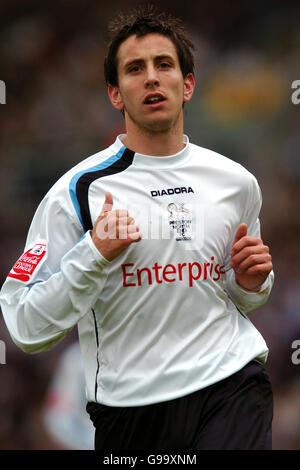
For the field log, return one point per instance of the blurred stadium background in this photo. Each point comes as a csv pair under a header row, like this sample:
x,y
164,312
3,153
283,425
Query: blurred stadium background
x,y
57,113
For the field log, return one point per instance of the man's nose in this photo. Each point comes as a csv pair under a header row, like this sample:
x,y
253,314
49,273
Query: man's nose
x,y
151,77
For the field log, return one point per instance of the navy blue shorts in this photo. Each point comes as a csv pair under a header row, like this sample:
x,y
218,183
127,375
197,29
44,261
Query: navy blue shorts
x,y
235,413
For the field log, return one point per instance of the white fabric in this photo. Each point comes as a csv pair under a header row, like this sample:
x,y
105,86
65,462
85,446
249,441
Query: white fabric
x,y
165,318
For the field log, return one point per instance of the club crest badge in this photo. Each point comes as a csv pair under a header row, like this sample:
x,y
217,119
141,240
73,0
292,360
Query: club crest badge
x,y
180,220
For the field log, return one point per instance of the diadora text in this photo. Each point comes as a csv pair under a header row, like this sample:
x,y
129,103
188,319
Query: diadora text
x,y
170,191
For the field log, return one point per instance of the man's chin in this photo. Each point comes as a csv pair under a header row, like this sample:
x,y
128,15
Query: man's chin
x,y
159,125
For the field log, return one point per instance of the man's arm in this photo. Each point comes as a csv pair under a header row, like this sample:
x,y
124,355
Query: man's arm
x,y
41,302
39,309
250,260
249,276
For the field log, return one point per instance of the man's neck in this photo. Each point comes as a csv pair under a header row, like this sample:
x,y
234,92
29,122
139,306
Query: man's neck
x,y
154,143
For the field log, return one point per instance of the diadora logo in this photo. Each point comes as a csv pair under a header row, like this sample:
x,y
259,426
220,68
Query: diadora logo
x,y
170,191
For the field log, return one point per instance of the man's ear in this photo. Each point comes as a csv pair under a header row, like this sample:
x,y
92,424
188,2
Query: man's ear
x,y
189,85
115,97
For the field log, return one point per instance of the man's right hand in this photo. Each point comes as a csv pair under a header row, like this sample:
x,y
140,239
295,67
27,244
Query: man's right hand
x,y
114,230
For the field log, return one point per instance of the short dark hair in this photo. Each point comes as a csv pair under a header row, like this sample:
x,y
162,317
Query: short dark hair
x,y
140,22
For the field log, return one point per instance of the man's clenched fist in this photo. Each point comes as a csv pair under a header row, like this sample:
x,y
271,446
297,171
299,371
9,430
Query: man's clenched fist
x,y
250,260
114,230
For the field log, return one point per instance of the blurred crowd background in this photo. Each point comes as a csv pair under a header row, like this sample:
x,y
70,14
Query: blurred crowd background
x,y
57,113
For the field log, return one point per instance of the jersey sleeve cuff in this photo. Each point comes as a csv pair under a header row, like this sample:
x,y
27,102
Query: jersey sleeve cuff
x,y
98,256
245,299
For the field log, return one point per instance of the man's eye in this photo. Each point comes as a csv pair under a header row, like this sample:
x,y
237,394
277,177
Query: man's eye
x,y
135,68
164,65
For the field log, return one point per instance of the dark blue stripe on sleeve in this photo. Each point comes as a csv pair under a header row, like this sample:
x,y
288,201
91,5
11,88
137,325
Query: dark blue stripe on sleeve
x,y
80,183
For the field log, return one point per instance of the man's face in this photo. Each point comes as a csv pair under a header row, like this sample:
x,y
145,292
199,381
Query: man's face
x,y
151,86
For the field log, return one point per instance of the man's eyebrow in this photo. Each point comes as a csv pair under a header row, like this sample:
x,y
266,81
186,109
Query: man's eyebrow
x,y
133,61
164,56
141,61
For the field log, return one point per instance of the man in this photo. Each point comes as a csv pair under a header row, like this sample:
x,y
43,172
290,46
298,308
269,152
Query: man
x,y
160,279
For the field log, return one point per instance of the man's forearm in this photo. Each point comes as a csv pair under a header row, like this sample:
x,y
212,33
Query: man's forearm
x,y
246,300
39,315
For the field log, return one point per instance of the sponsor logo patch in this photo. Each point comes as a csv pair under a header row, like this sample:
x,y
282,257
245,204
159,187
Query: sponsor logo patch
x,y
27,264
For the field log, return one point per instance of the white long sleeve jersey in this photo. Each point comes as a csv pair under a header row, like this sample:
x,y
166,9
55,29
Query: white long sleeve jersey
x,y
166,317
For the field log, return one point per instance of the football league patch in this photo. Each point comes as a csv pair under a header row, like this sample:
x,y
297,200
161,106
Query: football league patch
x,y
27,264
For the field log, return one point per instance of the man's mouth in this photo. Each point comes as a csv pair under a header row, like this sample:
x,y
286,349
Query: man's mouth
x,y
152,99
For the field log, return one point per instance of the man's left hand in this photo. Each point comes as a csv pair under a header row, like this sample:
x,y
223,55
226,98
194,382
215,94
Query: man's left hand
x,y
250,260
